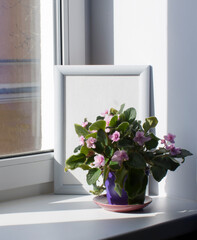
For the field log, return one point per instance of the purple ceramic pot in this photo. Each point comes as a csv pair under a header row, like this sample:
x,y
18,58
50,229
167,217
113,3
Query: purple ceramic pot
x,y
112,196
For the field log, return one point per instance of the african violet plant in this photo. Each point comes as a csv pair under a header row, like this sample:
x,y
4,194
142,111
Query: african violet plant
x,y
117,142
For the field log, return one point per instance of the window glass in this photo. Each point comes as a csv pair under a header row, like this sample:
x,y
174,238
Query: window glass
x,y
26,76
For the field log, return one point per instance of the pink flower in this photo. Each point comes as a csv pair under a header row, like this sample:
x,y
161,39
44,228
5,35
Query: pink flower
x,y
99,160
108,119
140,138
120,156
84,124
81,140
173,150
163,141
170,138
90,142
105,113
107,130
168,147
115,137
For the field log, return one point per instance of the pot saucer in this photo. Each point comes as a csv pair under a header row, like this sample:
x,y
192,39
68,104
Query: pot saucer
x,y
103,203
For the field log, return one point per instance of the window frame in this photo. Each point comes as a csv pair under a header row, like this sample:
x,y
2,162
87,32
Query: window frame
x,y
15,170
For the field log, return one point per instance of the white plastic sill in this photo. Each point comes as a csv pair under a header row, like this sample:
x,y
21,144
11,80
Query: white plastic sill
x,y
56,217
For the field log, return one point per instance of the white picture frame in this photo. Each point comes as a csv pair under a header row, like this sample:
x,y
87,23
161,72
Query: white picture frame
x,y
61,75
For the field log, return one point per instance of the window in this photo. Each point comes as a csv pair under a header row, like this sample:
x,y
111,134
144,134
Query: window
x,y
26,76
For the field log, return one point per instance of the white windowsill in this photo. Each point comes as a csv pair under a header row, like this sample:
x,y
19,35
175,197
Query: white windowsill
x,y
78,217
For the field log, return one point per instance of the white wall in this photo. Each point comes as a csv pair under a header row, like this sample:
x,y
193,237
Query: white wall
x,y
163,34
140,37
182,88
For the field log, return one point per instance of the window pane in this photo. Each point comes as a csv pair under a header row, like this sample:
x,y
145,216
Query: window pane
x,y
26,72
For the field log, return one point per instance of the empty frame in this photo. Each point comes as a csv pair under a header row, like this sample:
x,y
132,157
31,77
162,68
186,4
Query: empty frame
x,y
87,91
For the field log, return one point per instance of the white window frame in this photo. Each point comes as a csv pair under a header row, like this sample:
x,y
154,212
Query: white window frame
x,y
42,163
36,168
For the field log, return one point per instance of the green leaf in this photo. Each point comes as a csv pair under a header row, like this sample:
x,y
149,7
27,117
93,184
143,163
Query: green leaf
x,y
122,117
121,108
158,172
99,118
184,153
81,131
97,190
75,161
151,144
150,122
136,126
166,162
89,160
100,124
161,151
93,175
120,180
118,189
84,150
136,160
136,183
148,156
77,149
99,147
84,167
94,135
102,137
113,111
130,114
122,127
113,121
114,165
139,199
144,184
105,174
124,143
109,151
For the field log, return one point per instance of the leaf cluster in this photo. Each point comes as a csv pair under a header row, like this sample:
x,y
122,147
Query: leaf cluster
x,y
131,174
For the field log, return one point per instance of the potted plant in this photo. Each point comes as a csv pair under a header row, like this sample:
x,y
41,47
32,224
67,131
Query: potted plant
x,y
119,153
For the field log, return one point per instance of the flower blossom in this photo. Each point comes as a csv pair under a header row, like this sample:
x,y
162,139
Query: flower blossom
x,y
173,150
120,156
107,130
170,138
99,160
90,142
115,137
84,124
81,140
108,119
140,138
105,113
163,141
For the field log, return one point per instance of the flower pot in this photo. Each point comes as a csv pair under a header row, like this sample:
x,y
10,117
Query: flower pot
x,y
112,196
